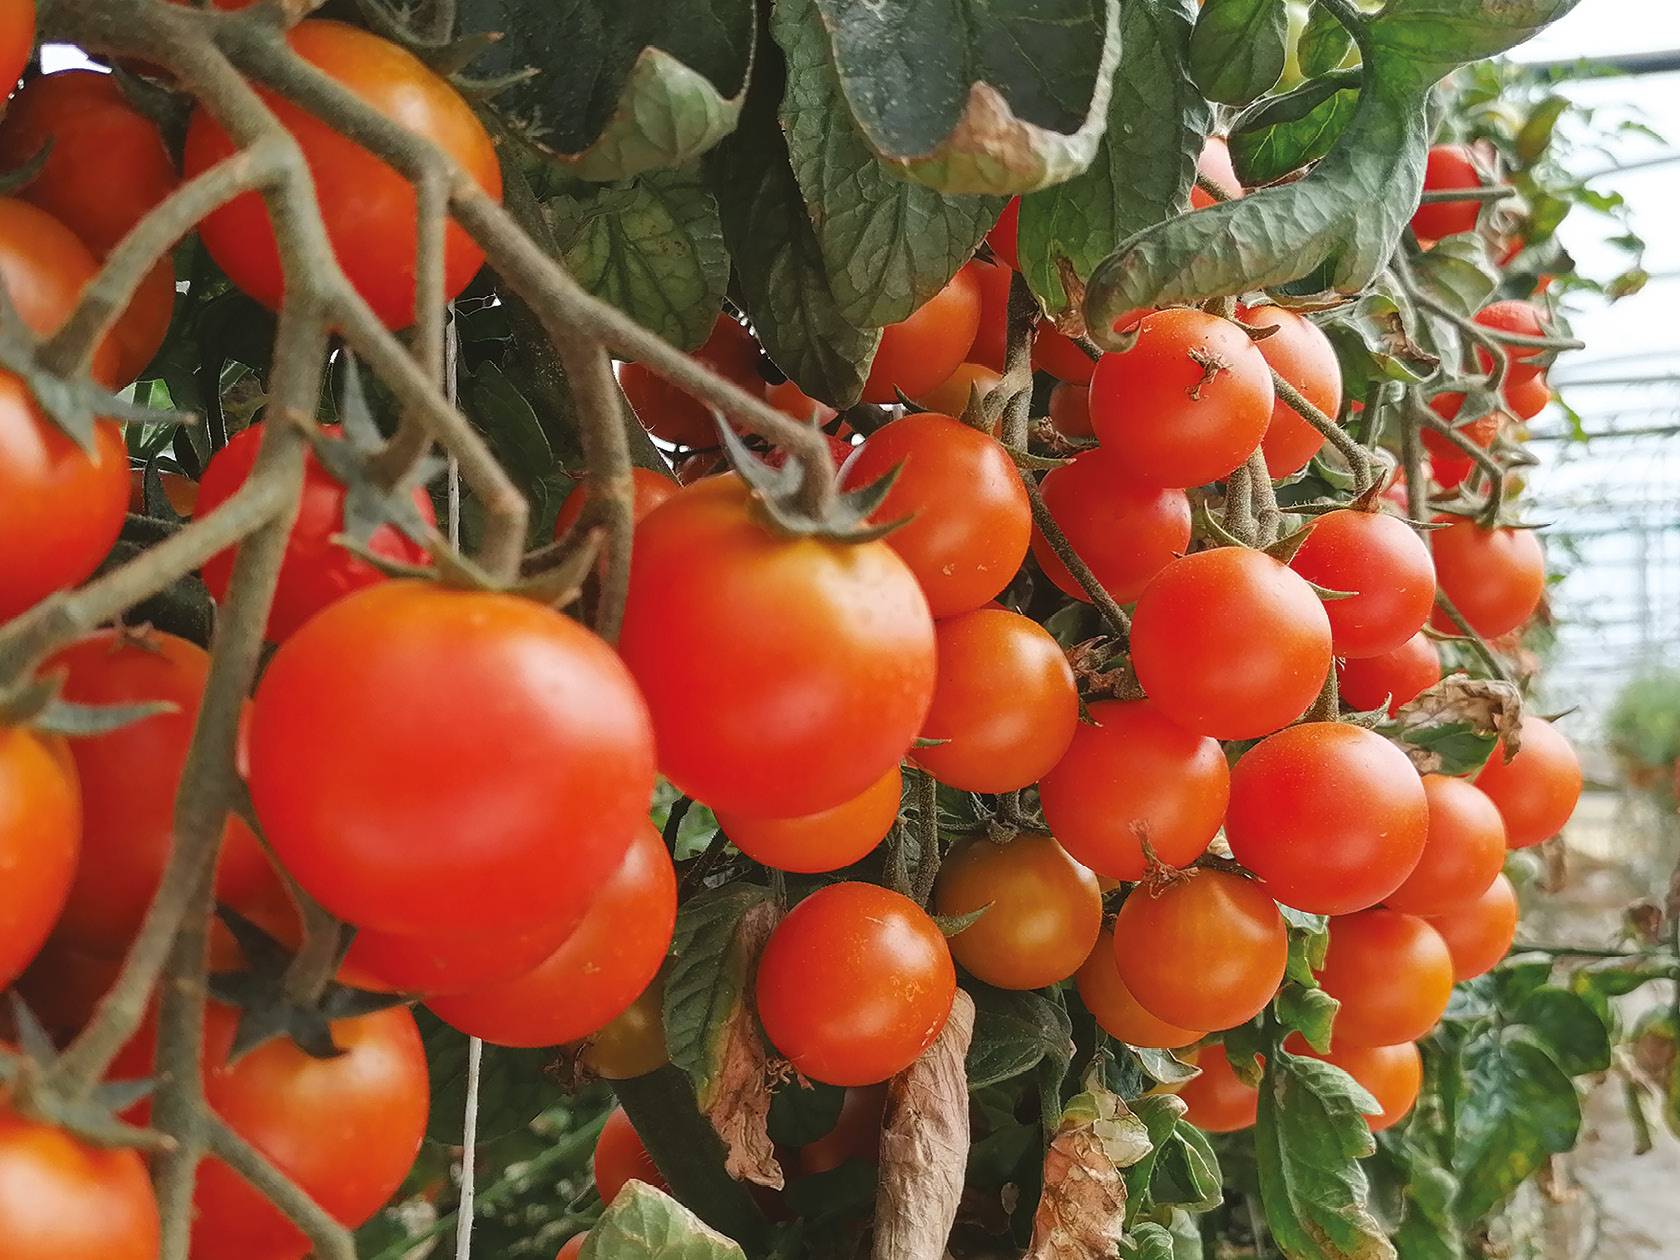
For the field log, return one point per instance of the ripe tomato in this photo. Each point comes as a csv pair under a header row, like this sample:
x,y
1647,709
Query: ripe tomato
x,y
64,1199
17,41
40,836
1042,910
650,489
1536,791
1331,816
454,962
1004,232
1230,643
950,397
849,664
316,571
129,778
1513,316
1386,566
1131,775
369,208
992,339
925,347
1464,852
968,516
572,1248
44,267
823,841
1448,464
1390,1074
1125,530
1527,398
1188,403
394,724
1494,577
1070,410
597,971
1395,678
1205,952
1004,700
854,984
1217,1101
789,398
677,416
620,1158
1450,166
1061,356
1214,165
633,1042
139,332
1117,1012
856,1133
1392,974
1477,936
1300,353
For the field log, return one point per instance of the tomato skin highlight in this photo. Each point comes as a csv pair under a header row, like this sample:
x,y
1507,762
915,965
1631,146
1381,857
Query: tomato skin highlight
x,y
1449,166
1300,353
1538,789
925,347
1392,974
823,841
64,1199
1386,568
621,1158
1494,577
1463,855
1111,1003
1479,935
1217,1101
1126,531
1396,677
40,842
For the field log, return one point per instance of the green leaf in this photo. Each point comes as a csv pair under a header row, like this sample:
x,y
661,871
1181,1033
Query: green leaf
x,y
1283,133
1187,1172
1460,746
1148,1241
1013,1033
802,1112
707,979
977,96
1517,1108
1238,48
1324,43
1427,1230
1535,137
1373,340
1165,1066
1567,1025
1143,168
1457,273
513,1086
648,1224
1310,1011
510,422
1160,1114
1309,939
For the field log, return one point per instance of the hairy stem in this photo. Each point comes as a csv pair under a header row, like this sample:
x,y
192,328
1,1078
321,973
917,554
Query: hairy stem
x,y
1112,613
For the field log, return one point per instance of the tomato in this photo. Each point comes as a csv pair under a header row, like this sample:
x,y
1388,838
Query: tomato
x,y
1004,701
633,1042
17,41
1536,790
1514,316
434,760
139,332
823,841
854,984
1126,531
621,1158
1131,775
846,663
991,341
64,1199
1392,974
789,398
1494,577
672,413
1386,567
44,267
1392,1075
1214,165
856,1133
1061,356
317,570
968,516
649,488
1205,952
1116,1011
1527,398
1042,910
1230,643
40,836
1331,816
1450,166
1395,678
1477,936
951,396
925,347
454,962
1070,410
572,1248
129,778
1185,405
369,209
1300,353
1463,854
1002,237
597,972
1216,1101
1447,462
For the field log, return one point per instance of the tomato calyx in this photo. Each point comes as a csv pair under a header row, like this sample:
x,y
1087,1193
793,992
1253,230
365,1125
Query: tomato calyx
x,y
1102,668
92,1114
782,502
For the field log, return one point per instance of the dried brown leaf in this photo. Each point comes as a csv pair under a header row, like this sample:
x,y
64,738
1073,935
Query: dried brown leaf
x,y
1489,706
738,1101
1082,1209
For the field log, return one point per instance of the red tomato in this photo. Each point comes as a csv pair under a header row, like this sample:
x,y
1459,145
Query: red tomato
x,y
650,489
968,516
1003,235
17,41
1450,166
434,760
40,836
572,1248
1132,775
1070,410
1331,816
1205,952
369,208
1448,464
1494,577
790,399
673,414
1387,569
1214,165
925,347
849,663
1188,403
1395,678
951,396
44,267
826,840
1300,353
1477,936
1514,316
1116,1011
1126,531
1061,356
1464,852
1392,974
1217,1101
454,962
316,571
64,1199
856,1133
1536,790
991,341
854,984
1527,398
598,970
1004,700
139,332
1392,1075
1230,643
1042,910
621,1158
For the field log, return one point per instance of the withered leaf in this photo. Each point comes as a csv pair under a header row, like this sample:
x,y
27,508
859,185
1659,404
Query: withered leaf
x,y
737,1097
1082,1209
1452,727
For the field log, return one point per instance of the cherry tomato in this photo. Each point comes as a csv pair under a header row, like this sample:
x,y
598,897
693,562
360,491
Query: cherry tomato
x,y
968,516
64,1199
1132,775
991,341
854,984
1061,356
1004,700
1216,1101
1116,1011
1300,353
633,1042
395,723
1126,531
44,267
1448,463
40,836
1395,678
1042,910
17,41
1463,854
1514,316
856,1133
823,841
1392,974
1230,643
650,489
1527,398
1477,936
1070,410
621,1158
454,962
672,413
596,973
789,398
951,396
1386,568
925,347
1449,167
1536,791
140,330
1392,1075
1004,232
572,1248
1214,165
1207,951
1494,577
1188,403
849,663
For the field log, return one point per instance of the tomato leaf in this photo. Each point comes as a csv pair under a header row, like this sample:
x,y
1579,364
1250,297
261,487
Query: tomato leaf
x,y
707,984
1427,1229
1310,1011
1148,1241
1567,1025
1457,273
1373,340
1187,1172
1082,1208
1324,43
1165,1066
1013,1033
1518,1107
1283,133
1160,1114
648,1224
1238,48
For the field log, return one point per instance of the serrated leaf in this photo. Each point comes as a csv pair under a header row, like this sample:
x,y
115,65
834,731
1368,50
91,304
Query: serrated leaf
x,y
648,1224
1013,1033
1518,1107
1310,1011
1373,340
1238,49
1324,43
706,984
1567,1025
1453,727
1284,133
